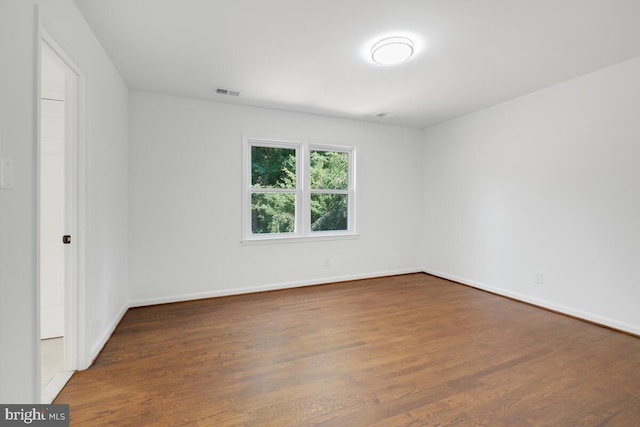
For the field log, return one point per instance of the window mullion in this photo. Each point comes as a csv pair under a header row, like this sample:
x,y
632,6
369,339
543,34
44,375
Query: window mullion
x,y
351,212
271,190
305,197
319,191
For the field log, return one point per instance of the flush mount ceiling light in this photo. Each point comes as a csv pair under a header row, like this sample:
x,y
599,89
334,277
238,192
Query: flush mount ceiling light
x,y
392,50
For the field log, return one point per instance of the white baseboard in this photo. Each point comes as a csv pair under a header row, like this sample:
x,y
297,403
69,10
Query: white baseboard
x,y
49,392
271,287
571,311
591,317
97,348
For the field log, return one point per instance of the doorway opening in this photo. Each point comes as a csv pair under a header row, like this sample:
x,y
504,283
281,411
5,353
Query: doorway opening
x,y
61,214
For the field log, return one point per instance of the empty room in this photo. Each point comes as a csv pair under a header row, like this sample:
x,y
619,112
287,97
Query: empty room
x,y
336,213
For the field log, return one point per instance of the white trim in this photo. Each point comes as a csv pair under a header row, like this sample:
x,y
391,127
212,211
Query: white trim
x,y
350,191
84,360
270,287
314,191
75,317
584,315
55,386
318,236
37,33
305,197
261,190
97,348
248,190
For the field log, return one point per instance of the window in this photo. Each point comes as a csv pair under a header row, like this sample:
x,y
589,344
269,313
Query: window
x,y
329,181
297,190
273,189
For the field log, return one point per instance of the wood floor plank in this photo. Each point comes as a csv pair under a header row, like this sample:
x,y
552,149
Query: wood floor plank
x,y
410,350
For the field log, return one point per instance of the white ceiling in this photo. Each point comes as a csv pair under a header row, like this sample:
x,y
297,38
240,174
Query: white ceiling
x,y
309,55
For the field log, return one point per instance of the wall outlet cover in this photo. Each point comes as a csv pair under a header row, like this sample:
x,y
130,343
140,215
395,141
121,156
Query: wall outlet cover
x,y
6,173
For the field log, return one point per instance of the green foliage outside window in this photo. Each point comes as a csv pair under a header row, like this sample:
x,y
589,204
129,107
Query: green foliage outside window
x,y
273,212
275,168
328,212
329,171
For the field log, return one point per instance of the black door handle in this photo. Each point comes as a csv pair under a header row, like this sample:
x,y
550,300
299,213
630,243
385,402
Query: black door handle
x,y
66,239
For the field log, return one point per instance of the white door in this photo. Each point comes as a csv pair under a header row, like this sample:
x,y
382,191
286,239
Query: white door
x,y
53,200
61,205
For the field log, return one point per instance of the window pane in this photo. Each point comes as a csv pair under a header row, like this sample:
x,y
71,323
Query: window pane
x,y
273,213
328,212
329,170
273,167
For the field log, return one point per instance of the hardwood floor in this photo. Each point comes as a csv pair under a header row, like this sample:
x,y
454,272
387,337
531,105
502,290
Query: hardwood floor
x,y
410,350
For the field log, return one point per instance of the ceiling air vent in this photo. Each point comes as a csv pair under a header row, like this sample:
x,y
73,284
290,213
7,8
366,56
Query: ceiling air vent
x,y
221,91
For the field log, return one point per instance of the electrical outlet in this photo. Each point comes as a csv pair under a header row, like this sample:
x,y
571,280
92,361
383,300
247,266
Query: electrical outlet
x,y
539,280
6,173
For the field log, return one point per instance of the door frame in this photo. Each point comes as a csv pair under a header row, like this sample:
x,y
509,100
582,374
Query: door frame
x,y
75,346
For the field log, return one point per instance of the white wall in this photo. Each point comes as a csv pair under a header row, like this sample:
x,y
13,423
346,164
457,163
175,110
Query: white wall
x,y
19,380
107,267
107,168
544,183
185,201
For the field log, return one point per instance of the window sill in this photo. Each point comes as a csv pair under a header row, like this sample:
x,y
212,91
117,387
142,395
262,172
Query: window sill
x,y
298,239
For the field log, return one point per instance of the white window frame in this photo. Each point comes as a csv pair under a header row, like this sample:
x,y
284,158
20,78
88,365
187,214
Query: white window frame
x,y
303,192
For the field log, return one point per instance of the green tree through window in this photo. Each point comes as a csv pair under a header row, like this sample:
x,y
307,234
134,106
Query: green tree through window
x,y
273,168
298,189
329,172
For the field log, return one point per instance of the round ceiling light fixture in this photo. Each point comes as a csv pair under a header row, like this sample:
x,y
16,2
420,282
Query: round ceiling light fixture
x,y
392,50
